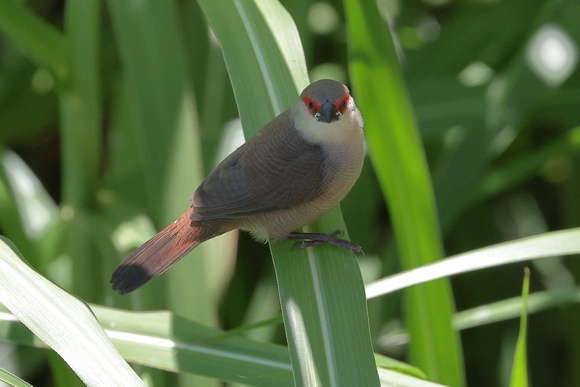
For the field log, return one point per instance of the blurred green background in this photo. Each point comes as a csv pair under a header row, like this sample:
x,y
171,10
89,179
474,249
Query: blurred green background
x,y
495,89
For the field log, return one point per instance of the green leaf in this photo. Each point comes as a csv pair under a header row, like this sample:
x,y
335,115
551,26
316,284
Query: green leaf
x,y
512,307
565,242
263,55
398,366
36,38
163,340
161,104
320,289
12,380
401,167
35,207
159,157
62,321
166,155
394,379
520,365
80,105
166,341
11,220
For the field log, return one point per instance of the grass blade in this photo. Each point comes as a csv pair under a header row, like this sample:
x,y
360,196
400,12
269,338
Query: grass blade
x,y
320,289
161,104
10,217
12,380
163,340
400,164
36,208
512,308
33,36
520,366
394,379
565,242
167,341
80,105
62,321
163,117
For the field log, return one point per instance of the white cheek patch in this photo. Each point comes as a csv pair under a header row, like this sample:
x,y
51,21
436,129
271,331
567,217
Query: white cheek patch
x,y
321,132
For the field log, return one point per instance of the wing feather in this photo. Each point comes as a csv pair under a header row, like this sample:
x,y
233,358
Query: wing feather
x,y
276,169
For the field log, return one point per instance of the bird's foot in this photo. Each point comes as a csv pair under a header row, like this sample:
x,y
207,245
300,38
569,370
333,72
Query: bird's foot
x,y
316,239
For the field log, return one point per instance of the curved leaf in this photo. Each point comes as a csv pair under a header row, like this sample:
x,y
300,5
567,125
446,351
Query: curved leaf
x,y
62,321
565,242
320,289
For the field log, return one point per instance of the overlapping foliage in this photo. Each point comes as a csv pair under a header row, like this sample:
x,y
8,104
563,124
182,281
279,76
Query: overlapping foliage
x,y
112,111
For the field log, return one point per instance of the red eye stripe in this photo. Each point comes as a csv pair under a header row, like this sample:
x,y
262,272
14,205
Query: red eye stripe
x,y
342,104
312,106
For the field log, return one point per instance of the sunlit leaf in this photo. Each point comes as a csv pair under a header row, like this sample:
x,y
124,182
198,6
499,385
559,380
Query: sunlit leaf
x,y
62,321
12,380
564,242
320,289
520,364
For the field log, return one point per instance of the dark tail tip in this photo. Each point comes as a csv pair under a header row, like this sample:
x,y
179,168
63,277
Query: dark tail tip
x,y
159,253
129,277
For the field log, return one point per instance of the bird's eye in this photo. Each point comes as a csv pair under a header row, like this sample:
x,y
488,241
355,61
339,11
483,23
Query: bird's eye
x,y
312,106
341,105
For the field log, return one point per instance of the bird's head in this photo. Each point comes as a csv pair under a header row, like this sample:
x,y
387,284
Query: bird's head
x,y
326,112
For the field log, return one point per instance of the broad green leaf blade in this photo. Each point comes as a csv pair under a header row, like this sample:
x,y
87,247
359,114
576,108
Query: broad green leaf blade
x,y
166,341
163,340
325,316
565,242
520,365
401,168
324,310
12,380
62,321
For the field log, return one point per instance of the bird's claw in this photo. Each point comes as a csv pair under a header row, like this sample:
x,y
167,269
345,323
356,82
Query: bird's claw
x,y
313,240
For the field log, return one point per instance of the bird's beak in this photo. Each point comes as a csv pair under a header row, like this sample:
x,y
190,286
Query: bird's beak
x,y
327,112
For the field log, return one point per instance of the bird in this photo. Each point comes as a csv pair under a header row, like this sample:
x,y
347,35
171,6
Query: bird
x,y
292,171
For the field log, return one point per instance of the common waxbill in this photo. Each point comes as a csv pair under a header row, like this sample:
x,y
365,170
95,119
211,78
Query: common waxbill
x,y
295,169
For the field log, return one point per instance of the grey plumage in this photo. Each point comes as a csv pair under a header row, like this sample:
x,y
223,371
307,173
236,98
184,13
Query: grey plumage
x,y
268,173
296,168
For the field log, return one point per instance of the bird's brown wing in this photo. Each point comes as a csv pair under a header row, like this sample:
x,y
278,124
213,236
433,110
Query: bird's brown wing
x,y
276,169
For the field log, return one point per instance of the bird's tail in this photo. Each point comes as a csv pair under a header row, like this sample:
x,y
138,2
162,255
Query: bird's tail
x,y
159,253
